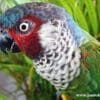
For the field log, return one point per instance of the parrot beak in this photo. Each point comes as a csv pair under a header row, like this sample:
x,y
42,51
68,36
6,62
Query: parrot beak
x,y
7,44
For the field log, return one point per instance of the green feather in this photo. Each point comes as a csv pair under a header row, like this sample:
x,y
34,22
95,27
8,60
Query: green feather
x,y
89,80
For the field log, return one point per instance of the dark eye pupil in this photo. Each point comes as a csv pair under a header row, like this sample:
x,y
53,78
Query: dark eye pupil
x,y
24,27
1,31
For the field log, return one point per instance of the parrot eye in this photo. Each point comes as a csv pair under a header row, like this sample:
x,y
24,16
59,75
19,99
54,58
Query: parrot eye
x,y
25,27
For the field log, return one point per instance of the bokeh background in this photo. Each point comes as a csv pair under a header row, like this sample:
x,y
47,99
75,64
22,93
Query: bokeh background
x,y
18,79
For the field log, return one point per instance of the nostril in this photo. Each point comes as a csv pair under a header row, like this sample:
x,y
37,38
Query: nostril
x,y
1,31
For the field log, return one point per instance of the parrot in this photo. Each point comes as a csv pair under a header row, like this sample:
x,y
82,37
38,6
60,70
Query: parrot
x,y
63,53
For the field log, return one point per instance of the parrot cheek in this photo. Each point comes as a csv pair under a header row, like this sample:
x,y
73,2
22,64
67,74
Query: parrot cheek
x,y
28,44
29,48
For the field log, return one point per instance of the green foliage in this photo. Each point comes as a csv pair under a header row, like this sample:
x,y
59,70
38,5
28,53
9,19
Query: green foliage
x,y
85,12
2,97
22,70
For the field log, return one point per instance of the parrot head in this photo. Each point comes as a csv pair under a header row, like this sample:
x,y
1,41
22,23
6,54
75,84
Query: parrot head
x,y
19,27
22,27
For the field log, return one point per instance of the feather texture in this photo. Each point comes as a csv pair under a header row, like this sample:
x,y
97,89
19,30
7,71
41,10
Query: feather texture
x,y
60,60
88,83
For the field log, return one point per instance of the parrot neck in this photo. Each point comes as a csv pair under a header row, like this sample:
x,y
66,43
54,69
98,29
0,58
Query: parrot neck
x,y
79,35
59,63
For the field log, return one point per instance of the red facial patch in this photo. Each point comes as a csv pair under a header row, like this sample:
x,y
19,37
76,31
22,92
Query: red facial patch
x,y
28,43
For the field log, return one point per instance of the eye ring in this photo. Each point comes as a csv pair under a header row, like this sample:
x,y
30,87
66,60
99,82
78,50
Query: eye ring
x,y
24,27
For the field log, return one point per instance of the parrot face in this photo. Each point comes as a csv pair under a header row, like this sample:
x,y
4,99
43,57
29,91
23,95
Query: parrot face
x,y
47,34
25,34
23,24
19,35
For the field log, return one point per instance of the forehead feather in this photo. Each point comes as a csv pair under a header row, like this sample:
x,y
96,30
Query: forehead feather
x,y
44,11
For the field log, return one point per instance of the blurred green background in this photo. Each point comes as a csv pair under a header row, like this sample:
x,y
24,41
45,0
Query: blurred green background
x,y
85,12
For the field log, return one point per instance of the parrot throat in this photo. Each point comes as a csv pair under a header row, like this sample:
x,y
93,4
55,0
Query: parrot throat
x,y
60,61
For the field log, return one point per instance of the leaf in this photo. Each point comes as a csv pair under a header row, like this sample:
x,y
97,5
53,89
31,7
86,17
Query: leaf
x,y
79,17
23,1
30,77
66,6
92,15
3,97
71,3
27,60
77,13
3,6
10,3
98,13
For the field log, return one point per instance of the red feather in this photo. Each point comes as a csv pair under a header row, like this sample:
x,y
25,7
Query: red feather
x,y
28,43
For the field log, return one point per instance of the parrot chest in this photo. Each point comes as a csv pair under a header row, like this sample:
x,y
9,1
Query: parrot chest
x,y
59,62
